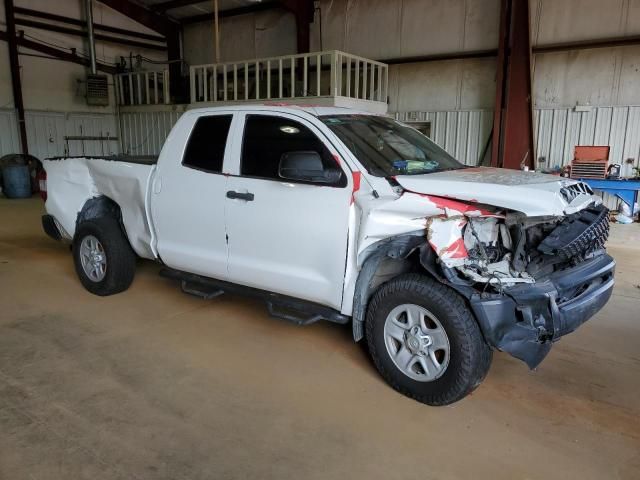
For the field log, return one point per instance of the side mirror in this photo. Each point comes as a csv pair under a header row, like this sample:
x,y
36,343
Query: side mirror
x,y
306,167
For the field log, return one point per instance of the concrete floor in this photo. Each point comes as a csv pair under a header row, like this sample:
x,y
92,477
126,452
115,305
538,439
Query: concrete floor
x,y
153,383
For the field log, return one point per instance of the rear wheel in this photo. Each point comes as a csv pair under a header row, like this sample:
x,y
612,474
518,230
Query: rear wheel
x,y
104,260
424,340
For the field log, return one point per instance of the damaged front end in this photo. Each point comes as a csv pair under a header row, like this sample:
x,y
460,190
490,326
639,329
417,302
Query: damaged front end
x,y
529,280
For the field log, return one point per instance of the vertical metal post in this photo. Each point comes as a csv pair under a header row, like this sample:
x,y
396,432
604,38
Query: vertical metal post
x,y
88,6
14,65
357,79
235,81
224,81
214,95
364,79
318,68
513,116
146,87
246,81
257,80
293,77
332,74
130,89
348,76
216,29
280,78
155,87
192,78
268,79
205,86
305,67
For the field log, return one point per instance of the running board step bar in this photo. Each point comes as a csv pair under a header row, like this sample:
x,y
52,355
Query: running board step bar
x,y
199,290
300,312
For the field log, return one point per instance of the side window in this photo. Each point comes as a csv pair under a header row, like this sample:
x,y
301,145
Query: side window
x,y
207,142
267,138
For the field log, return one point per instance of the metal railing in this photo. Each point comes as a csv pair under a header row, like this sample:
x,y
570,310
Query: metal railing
x,y
143,88
320,74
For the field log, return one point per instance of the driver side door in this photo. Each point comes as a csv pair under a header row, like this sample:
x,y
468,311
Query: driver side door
x,y
286,236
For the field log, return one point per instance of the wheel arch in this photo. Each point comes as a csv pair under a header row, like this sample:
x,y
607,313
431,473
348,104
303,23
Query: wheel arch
x,y
384,261
101,207
98,207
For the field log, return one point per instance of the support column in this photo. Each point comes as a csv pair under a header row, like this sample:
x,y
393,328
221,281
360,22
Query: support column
x,y
513,117
14,65
303,11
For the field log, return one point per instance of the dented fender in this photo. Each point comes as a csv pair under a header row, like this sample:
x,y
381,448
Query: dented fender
x,y
73,182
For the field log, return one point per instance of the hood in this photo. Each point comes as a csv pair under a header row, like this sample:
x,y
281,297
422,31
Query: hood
x,y
534,194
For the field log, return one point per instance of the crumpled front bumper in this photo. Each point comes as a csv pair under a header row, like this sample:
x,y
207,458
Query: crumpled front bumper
x,y
526,319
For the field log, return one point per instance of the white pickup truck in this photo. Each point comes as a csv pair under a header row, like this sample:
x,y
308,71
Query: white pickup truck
x,y
328,213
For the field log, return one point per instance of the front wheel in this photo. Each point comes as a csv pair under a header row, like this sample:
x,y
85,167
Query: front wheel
x,y
424,340
104,260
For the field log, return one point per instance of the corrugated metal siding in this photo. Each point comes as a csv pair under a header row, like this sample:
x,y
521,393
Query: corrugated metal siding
x,y
463,133
46,132
143,133
558,131
9,139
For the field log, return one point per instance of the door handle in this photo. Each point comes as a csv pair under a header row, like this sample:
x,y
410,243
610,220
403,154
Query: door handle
x,y
240,196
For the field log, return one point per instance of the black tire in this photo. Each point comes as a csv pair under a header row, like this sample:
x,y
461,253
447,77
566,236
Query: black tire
x,y
121,259
469,357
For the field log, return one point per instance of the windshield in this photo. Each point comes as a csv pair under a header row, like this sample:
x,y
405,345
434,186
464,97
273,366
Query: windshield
x,y
386,147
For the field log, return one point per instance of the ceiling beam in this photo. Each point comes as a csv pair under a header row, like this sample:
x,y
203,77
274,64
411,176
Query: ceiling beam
x,y
587,44
171,4
158,23
56,53
50,27
164,26
232,12
82,23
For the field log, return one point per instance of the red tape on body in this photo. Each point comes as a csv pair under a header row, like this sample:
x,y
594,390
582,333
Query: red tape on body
x,y
357,176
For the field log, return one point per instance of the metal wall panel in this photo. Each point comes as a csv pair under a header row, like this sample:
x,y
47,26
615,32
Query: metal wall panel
x,y
9,138
46,132
462,133
558,131
143,133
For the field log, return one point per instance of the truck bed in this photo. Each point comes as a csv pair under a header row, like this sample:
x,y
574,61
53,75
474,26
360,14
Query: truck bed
x,y
73,181
136,159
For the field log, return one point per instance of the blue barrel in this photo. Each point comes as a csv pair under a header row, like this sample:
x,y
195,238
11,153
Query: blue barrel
x,y
16,181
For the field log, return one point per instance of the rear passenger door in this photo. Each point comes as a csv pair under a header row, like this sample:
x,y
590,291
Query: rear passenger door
x,y
286,236
188,197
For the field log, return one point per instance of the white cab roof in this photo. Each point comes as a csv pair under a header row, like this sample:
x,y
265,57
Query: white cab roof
x,y
314,110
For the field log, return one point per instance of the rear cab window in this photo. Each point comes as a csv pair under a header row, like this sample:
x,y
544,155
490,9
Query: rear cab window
x,y
207,143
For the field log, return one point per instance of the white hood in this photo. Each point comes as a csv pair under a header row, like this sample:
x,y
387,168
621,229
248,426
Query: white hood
x,y
534,194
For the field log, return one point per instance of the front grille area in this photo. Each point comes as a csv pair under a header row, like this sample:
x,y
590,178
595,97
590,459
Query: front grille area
x,y
570,192
579,234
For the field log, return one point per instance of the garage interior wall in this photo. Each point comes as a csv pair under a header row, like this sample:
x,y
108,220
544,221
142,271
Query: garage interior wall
x,y
54,90
453,98
456,97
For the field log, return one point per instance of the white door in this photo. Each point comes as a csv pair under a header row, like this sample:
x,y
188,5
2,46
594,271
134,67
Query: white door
x,y
286,236
188,198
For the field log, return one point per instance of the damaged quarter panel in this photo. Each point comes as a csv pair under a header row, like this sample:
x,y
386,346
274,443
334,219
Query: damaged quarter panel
x,y
74,181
